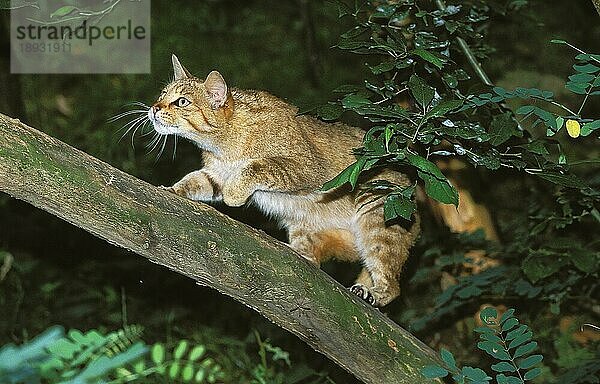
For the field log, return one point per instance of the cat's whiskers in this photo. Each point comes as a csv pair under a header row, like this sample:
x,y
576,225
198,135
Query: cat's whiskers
x,y
133,126
140,120
143,125
175,148
150,146
127,113
162,148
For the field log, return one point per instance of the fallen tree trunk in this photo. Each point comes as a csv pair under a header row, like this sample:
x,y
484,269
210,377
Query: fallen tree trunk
x,y
199,242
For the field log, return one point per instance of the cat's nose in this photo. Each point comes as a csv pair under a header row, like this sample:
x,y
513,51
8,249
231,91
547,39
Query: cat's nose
x,y
155,108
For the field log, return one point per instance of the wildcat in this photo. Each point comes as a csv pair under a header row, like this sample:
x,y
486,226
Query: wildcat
x,y
256,149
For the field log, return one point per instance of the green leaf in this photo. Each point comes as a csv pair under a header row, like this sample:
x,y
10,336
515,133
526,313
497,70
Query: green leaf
x,y
139,367
383,67
352,101
516,332
502,379
448,358
535,372
582,78
577,88
347,88
507,315
588,128
560,121
188,372
525,349
540,264
586,68
422,92
585,260
434,371
174,370
509,324
566,180
397,205
525,110
63,11
180,349
484,330
493,349
158,353
476,375
442,108
341,179
64,349
530,361
200,375
450,80
488,315
360,165
525,337
502,128
104,364
503,367
430,57
436,185
490,337
440,190
197,352
329,111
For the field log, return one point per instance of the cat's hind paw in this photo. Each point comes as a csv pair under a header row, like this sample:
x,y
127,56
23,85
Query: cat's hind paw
x,y
363,292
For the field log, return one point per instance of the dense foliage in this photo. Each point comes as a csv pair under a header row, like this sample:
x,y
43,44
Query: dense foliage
x,y
428,54
423,102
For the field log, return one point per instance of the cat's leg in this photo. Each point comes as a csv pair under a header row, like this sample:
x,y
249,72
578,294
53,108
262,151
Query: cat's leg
x,y
384,250
279,174
320,246
197,186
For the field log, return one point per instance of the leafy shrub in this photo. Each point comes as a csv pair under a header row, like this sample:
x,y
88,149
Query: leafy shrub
x,y
505,340
117,357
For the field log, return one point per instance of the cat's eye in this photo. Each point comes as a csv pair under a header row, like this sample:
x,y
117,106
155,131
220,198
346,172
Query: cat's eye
x,y
182,102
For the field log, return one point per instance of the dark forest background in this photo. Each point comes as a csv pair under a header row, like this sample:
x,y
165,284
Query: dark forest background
x,y
62,275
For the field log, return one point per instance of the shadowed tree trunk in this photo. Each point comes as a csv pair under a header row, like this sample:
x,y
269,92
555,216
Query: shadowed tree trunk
x,y
199,242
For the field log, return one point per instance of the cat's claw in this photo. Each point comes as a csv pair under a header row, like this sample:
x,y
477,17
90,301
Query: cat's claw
x,y
168,189
363,292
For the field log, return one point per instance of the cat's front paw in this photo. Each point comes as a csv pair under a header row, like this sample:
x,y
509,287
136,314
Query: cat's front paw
x,y
363,292
234,197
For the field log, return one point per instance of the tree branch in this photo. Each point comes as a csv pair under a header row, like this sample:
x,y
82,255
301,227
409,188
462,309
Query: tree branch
x,y
199,242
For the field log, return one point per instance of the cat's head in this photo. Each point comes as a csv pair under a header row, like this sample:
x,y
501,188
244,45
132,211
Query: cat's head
x,y
190,107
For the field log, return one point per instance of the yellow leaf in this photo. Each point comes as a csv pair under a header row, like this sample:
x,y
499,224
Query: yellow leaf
x,y
573,128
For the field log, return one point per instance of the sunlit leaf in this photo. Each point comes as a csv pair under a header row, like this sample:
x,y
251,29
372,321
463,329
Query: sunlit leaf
x,y
573,128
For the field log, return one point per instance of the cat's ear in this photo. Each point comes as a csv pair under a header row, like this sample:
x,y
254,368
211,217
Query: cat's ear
x,y
216,89
178,69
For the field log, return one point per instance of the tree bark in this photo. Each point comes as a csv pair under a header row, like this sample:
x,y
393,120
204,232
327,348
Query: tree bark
x,y
199,242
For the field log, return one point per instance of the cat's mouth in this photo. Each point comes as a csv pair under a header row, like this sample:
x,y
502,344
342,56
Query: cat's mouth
x,y
159,126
